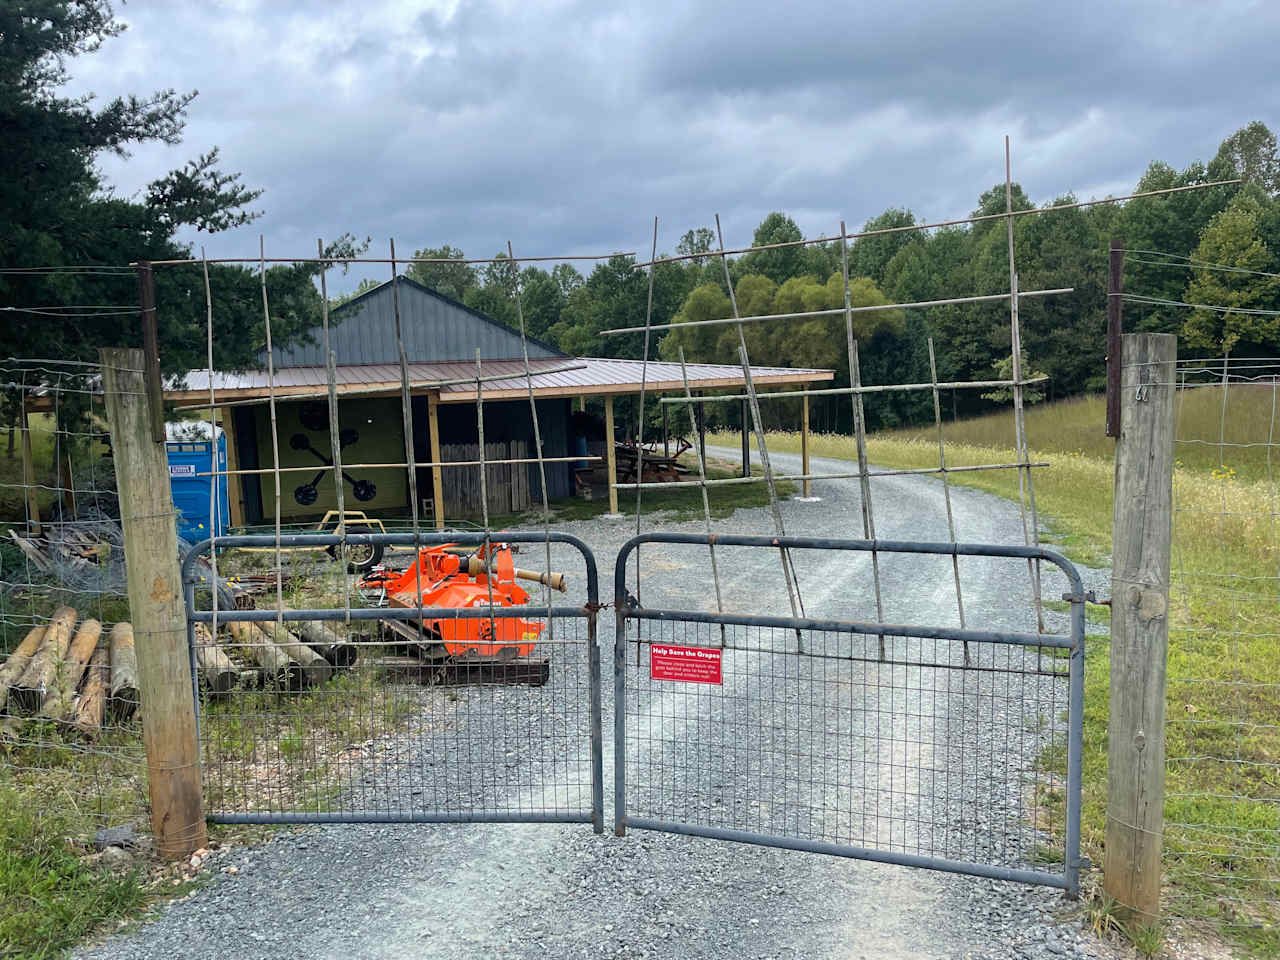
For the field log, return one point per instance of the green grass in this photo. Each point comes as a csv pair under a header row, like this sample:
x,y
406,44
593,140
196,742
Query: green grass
x,y
52,894
1222,809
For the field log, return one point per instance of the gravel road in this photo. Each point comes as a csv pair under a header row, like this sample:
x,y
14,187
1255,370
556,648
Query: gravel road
x,y
536,891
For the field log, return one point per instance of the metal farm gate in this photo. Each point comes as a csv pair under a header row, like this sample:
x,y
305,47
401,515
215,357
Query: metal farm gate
x,y
356,726
922,745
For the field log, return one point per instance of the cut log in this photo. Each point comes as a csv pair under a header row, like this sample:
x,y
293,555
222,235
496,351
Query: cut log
x,y
60,701
324,640
278,667
16,665
217,671
124,696
315,668
93,700
30,690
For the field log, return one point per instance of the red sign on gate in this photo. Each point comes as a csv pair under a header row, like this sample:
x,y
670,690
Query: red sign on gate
x,y
688,664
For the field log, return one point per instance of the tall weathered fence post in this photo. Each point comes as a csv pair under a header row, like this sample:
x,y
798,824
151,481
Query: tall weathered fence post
x,y
1142,534
155,607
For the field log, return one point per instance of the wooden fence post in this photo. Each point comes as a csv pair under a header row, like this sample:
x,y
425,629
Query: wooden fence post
x,y
804,444
156,608
1142,534
610,456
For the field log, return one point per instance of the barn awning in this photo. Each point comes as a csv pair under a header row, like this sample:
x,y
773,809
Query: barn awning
x,y
552,377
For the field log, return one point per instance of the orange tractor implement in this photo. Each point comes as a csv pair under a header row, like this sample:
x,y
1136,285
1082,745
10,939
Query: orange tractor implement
x,y
453,577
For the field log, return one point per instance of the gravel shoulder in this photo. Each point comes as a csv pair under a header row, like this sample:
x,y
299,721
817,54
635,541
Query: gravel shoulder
x,y
535,891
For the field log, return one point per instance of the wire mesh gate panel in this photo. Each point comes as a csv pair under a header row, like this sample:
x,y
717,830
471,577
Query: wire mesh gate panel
x,y
957,749
350,714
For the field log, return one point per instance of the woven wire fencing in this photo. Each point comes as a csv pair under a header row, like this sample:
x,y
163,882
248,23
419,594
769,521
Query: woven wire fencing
x,y
1222,808
71,748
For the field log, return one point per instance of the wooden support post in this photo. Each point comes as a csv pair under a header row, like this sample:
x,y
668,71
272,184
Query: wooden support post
x,y
1142,533
29,475
804,444
610,455
156,608
582,403
437,472
746,441
666,437
235,489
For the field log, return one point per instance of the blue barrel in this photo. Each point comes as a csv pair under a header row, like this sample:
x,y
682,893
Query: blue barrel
x,y
188,458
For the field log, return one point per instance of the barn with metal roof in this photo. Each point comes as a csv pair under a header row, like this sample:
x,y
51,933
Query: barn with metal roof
x,y
441,338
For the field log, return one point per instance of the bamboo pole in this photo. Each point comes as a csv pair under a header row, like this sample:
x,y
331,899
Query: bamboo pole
x,y
804,448
836,311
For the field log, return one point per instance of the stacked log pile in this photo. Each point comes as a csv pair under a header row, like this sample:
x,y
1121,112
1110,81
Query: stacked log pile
x,y
84,677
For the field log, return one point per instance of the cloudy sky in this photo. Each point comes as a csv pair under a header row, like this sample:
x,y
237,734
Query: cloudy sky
x,y
566,126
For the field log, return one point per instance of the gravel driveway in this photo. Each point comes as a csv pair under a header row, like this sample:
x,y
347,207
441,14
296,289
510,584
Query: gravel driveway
x,y
542,891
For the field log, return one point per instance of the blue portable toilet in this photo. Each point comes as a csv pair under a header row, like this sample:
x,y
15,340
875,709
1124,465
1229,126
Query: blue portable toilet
x,y
190,452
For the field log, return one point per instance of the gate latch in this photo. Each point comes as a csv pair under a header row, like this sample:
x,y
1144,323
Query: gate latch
x,y
1087,597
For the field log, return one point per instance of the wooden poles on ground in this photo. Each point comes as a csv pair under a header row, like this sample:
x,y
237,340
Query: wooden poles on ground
x,y
16,665
124,672
216,669
59,701
1139,623
93,699
29,692
156,605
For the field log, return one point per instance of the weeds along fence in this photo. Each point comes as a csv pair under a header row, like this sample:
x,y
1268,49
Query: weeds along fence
x,y
1222,809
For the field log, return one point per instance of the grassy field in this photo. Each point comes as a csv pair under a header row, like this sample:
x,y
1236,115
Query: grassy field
x,y
1222,809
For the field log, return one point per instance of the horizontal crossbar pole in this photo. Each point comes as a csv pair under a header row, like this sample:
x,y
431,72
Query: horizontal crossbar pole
x,y
877,661
1009,637
478,612
844,391
932,226
390,466
918,471
405,816
835,312
331,261
420,538
856,853
371,391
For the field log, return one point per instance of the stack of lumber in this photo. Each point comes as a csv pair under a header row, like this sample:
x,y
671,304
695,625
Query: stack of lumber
x,y
72,675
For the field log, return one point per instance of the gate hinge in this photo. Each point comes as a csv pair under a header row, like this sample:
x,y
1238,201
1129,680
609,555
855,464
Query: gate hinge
x,y
1087,597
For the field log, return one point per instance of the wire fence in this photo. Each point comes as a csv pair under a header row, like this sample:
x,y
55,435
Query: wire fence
x,y
1222,810
71,748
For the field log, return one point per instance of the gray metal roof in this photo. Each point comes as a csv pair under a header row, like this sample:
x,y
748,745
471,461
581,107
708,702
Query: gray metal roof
x,y
594,375
433,326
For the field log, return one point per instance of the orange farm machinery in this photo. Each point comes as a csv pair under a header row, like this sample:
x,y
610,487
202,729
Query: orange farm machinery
x,y
451,577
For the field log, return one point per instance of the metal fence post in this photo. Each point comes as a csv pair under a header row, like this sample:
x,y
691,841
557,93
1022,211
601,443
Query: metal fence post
x,y
156,608
1142,535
